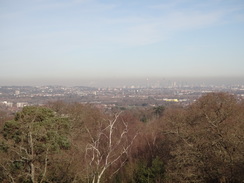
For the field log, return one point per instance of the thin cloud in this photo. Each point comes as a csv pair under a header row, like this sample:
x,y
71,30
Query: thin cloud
x,y
147,30
165,6
152,30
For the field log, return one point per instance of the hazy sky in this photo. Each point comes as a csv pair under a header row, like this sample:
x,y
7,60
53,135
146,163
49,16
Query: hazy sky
x,y
48,40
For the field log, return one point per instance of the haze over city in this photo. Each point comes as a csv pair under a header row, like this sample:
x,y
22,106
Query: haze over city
x,y
87,42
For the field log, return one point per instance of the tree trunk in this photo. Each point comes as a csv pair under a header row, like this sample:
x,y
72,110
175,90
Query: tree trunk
x,y
32,158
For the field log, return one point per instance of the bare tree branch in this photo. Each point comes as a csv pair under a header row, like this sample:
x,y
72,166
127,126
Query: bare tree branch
x,y
106,152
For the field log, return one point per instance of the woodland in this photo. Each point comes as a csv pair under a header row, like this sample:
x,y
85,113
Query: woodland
x,y
65,142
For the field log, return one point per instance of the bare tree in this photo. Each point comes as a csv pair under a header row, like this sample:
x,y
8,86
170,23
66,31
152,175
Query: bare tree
x,y
207,140
108,148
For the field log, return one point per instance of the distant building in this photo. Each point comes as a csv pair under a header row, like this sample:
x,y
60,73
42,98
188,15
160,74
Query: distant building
x,y
17,92
21,104
8,104
170,100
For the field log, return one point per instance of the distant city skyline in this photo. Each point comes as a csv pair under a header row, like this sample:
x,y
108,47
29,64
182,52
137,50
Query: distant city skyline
x,y
69,42
130,82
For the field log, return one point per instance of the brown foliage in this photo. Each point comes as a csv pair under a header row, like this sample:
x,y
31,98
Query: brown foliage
x,y
203,142
207,140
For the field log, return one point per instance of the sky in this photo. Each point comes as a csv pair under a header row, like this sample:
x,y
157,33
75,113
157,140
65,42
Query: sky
x,y
69,41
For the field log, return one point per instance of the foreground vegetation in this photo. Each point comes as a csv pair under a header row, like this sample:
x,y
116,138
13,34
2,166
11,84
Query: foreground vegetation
x,y
71,142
